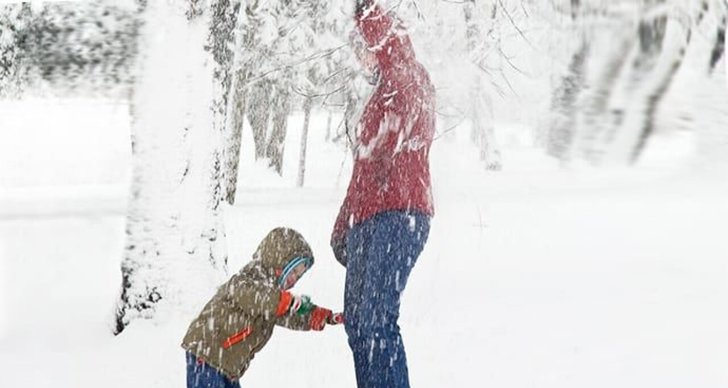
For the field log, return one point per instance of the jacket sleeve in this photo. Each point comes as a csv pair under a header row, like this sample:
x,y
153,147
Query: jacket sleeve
x,y
252,297
295,322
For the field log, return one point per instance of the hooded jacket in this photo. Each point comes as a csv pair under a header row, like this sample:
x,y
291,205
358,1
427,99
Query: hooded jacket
x,y
394,134
239,319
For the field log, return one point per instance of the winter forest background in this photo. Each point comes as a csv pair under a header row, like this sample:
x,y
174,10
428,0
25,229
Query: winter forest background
x,y
579,171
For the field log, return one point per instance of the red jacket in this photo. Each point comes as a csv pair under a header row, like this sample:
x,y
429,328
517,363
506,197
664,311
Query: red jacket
x,y
394,134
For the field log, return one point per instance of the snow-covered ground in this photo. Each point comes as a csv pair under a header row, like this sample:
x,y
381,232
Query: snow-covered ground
x,y
532,277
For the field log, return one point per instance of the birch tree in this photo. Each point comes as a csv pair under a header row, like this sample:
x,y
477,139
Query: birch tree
x,y
175,241
252,92
707,93
608,104
461,45
655,60
247,50
15,21
480,24
278,43
67,49
561,127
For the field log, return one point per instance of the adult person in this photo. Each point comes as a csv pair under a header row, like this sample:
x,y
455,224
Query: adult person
x,y
384,221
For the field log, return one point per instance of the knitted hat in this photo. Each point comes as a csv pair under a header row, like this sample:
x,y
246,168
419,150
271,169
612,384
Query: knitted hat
x,y
280,247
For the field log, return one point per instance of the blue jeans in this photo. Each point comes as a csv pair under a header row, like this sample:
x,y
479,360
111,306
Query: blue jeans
x,y
201,375
381,252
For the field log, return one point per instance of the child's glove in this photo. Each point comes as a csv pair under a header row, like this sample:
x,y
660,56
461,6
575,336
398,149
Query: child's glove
x,y
301,305
319,317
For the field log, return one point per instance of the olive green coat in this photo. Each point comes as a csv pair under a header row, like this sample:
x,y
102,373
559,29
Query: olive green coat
x,y
239,320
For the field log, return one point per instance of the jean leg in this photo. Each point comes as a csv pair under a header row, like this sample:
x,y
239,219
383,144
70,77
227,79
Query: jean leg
x,y
201,375
357,242
395,242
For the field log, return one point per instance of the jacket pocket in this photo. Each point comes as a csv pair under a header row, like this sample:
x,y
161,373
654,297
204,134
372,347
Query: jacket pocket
x,y
237,337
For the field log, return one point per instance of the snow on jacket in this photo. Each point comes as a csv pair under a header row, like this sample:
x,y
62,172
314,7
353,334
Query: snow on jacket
x,y
394,134
239,320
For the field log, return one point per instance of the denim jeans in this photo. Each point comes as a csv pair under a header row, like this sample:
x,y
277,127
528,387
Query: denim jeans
x,y
201,375
381,252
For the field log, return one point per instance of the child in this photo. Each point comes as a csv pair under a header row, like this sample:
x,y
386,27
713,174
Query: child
x,y
239,320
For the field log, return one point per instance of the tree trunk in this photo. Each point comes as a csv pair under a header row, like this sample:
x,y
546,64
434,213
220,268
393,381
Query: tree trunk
x,y
576,99
483,128
224,21
175,252
720,38
258,107
304,141
329,121
711,119
354,105
673,58
724,10
276,142
562,123
708,92
657,58
67,48
625,79
480,111
238,104
596,117
15,24
233,144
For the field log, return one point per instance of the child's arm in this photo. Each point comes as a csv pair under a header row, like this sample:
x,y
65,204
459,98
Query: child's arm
x,y
294,322
288,310
301,314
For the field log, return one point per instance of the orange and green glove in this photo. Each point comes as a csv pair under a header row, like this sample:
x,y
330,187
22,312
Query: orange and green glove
x,y
294,304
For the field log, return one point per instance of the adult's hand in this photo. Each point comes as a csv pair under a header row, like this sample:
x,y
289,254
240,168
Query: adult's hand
x,y
339,247
361,5
335,319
